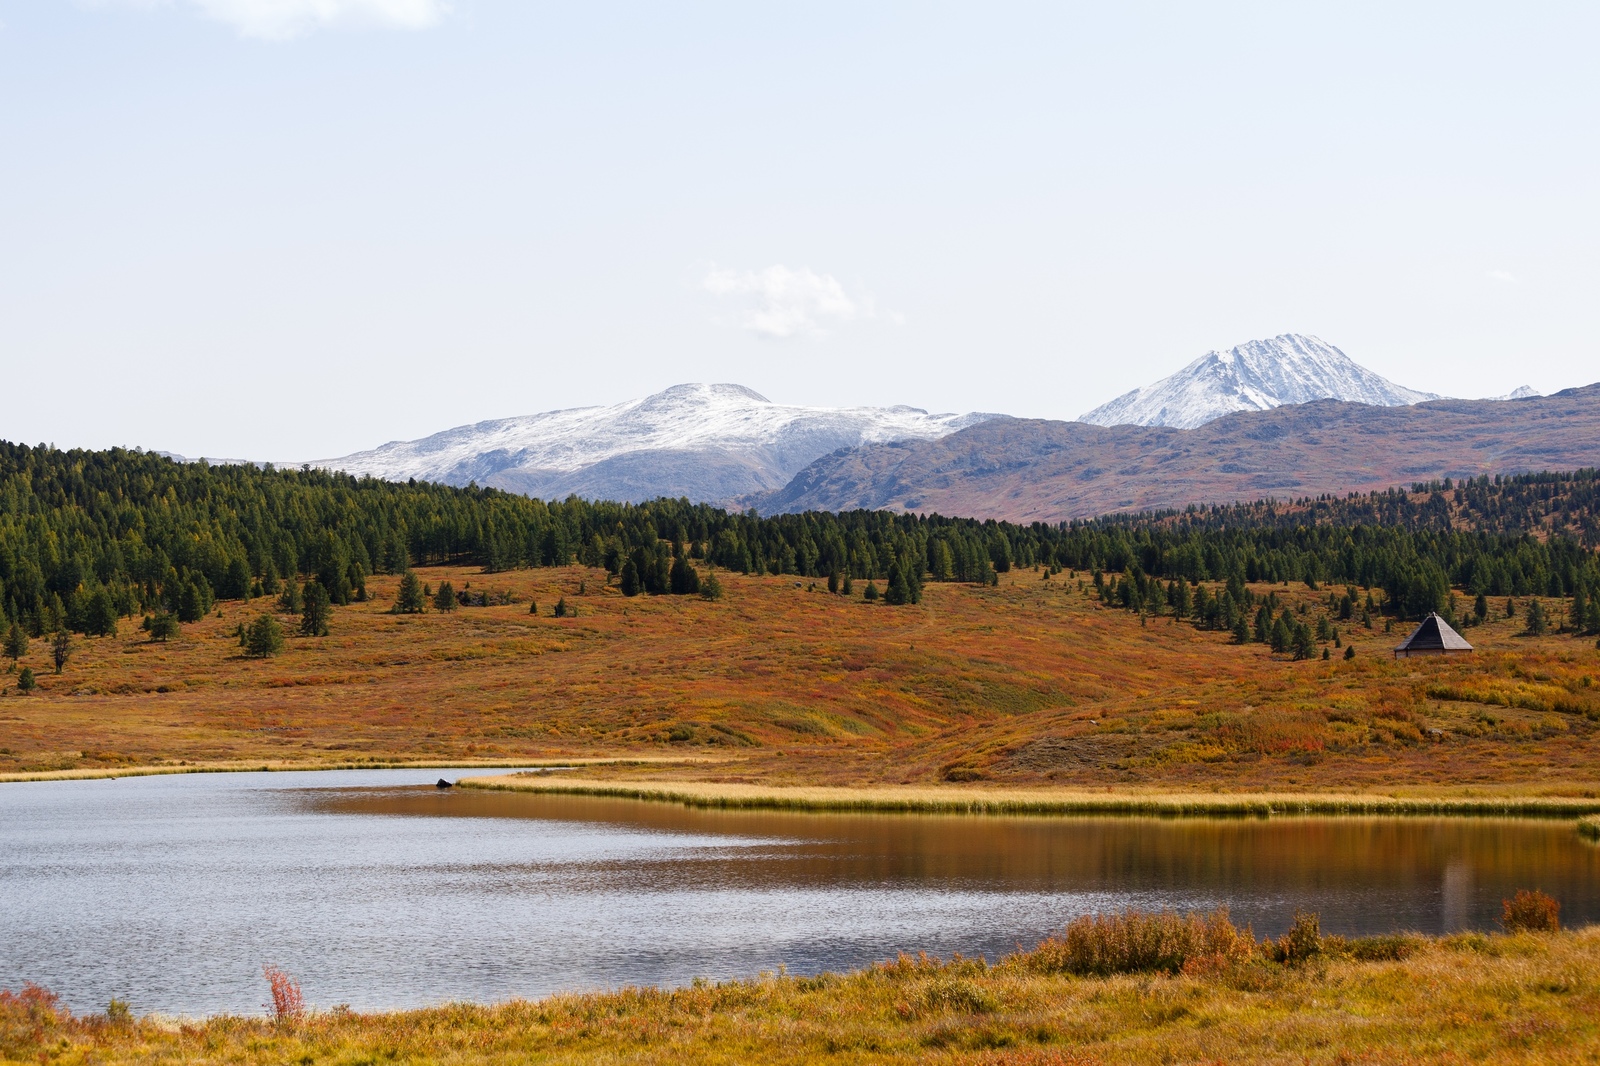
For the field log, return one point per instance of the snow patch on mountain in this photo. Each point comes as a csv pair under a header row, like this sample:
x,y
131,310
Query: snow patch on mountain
x,y
1255,376
711,443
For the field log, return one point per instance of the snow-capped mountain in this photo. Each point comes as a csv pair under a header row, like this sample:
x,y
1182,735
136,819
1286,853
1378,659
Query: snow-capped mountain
x,y
711,443
1254,376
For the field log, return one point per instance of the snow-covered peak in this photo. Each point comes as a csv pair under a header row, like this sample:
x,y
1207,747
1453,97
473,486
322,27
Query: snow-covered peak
x,y
1254,376
712,442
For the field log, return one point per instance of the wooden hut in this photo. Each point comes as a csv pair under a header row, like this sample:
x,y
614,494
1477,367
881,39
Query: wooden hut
x,y
1433,637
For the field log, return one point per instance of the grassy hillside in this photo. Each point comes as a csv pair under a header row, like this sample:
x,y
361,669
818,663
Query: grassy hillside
x,y
1030,682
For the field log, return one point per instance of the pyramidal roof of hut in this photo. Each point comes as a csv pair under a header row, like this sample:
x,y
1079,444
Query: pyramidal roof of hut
x,y
1434,634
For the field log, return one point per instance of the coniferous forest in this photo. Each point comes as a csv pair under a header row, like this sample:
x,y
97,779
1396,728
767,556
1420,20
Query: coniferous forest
x,y
88,537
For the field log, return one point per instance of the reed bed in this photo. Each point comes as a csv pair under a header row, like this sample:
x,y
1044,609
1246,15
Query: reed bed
x,y
956,800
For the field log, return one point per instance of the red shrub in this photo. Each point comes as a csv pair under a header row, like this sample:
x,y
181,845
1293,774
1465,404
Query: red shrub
x,y
1530,912
287,1004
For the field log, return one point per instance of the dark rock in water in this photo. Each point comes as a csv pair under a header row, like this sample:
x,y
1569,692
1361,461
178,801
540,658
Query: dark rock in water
x,y
443,784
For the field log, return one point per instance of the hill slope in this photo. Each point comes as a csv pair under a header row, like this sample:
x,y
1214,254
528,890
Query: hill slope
x,y
1255,376
1032,470
711,443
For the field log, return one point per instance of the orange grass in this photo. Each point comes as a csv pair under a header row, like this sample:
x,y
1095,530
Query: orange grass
x,y
1031,684
1399,999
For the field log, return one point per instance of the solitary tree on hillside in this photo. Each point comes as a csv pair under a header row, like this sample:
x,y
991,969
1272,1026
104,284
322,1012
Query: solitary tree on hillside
x,y
318,609
445,598
1537,622
409,600
1480,607
264,638
61,648
163,626
291,602
631,585
711,588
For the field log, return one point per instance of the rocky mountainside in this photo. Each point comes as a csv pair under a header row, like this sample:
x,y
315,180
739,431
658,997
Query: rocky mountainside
x,y
711,443
1032,470
1255,376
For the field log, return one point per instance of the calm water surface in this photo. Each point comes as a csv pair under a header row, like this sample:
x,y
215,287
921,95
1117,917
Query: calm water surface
x,y
379,891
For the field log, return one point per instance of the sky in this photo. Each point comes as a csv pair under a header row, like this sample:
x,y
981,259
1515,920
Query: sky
x,y
291,229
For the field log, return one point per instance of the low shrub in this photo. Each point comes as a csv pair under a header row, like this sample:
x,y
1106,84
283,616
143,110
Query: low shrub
x,y
1391,947
1138,942
1530,912
1301,942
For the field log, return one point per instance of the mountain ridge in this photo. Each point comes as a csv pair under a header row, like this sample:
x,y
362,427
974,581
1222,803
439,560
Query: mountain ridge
x,y
1029,470
713,443
1257,375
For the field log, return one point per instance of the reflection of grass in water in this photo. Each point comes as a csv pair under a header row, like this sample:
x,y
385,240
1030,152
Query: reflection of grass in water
x,y
1589,828
1164,988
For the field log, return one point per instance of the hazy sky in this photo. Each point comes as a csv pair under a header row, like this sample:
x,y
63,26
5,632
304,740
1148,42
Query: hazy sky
x,y
289,229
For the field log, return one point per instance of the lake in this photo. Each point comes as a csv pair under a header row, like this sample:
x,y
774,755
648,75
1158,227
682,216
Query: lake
x,y
377,890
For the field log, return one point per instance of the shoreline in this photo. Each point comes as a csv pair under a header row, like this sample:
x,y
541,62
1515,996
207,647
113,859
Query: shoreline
x,y
254,767
951,800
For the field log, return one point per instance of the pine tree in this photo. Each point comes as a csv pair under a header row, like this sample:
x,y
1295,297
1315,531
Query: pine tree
x,y
561,607
1349,652
264,638
631,585
100,614
897,592
711,588
26,681
61,649
317,611
1263,627
685,581
192,604
849,586
833,582
409,600
291,602
1537,622
1241,632
445,598
163,626
872,591
16,643
1280,638
1480,608
1305,644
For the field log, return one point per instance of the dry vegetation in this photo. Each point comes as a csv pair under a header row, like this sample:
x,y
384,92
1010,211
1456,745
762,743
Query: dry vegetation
x,y
1123,989
1031,684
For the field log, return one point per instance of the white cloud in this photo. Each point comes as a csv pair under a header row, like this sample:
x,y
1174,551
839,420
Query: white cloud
x,y
783,303
1503,276
277,20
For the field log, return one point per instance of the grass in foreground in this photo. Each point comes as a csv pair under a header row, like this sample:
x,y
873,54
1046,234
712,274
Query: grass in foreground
x,y
1131,988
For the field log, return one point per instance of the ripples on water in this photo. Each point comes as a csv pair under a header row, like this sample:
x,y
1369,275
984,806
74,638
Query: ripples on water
x,y
379,891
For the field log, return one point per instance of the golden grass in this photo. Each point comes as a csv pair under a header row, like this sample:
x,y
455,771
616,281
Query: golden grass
x,y
1467,998
1031,684
990,800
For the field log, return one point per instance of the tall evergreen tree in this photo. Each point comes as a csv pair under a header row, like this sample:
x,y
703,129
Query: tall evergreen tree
x,y
264,638
445,598
409,598
16,643
631,585
317,612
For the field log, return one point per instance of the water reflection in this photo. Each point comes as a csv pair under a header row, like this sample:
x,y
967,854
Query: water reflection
x,y
380,892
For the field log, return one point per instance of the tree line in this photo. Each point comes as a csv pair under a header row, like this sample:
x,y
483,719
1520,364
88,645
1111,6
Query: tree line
x,y
88,537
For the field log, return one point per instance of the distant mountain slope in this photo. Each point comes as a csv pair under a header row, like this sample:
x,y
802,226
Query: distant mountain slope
x,y
711,443
1255,376
1032,470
